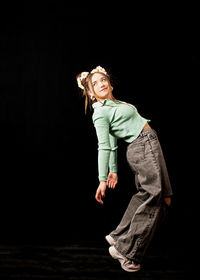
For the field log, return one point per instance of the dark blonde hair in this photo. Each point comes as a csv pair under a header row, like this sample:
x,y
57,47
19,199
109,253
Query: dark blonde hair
x,y
86,83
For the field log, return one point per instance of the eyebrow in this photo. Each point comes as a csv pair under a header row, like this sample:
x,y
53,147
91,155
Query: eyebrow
x,y
102,77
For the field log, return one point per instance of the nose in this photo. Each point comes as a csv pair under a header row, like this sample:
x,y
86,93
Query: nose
x,y
101,84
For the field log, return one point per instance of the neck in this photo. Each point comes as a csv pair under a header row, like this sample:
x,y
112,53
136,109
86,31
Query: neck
x,y
108,98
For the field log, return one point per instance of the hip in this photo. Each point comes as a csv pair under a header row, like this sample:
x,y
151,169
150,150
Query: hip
x,y
147,142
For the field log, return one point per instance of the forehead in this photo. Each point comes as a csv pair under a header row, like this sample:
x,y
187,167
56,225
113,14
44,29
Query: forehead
x,y
97,76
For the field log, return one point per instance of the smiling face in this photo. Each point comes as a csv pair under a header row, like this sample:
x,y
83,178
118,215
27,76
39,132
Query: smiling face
x,y
101,87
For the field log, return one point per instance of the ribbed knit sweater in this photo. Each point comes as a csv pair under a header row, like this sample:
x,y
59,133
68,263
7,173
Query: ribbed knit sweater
x,y
114,120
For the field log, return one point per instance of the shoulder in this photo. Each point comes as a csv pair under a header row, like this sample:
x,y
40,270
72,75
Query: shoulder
x,y
127,104
99,113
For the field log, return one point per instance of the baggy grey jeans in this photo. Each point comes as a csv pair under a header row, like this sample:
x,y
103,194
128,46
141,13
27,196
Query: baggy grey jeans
x,y
138,224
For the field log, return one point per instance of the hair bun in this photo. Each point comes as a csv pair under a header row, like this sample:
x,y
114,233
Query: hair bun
x,y
81,78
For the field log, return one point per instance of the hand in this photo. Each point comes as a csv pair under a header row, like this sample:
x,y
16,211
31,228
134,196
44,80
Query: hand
x,y
100,192
112,180
168,200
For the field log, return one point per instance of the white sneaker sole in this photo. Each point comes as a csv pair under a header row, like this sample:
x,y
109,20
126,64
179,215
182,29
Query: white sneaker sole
x,y
110,240
115,255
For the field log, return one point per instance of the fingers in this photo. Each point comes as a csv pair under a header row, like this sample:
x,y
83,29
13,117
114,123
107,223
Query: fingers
x,y
99,195
111,183
114,184
98,199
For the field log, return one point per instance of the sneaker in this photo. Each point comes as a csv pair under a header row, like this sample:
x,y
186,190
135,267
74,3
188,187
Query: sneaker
x,y
110,240
126,264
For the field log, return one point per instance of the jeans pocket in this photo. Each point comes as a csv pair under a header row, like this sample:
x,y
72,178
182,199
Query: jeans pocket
x,y
136,154
153,144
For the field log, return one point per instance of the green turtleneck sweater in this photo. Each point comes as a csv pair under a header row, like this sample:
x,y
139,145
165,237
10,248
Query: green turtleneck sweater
x,y
114,120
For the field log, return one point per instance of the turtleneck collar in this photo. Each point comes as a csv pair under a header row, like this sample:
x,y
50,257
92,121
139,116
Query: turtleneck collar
x,y
102,103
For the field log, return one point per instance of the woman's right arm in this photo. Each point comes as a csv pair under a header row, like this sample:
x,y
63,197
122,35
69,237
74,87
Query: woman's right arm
x,y
100,193
101,124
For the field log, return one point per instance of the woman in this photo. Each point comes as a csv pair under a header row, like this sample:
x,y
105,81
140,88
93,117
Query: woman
x,y
114,120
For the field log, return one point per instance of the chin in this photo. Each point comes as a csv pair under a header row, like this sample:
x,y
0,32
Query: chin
x,y
104,95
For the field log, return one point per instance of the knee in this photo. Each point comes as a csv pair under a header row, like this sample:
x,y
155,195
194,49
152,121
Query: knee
x,y
158,192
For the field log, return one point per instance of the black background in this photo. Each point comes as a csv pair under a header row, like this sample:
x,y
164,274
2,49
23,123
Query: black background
x,y
48,145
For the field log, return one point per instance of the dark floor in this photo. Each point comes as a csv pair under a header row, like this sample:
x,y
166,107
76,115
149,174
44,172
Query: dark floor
x,y
84,262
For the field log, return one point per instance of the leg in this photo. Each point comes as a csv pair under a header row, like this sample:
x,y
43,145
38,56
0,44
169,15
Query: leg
x,y
134,203
124,225
144,156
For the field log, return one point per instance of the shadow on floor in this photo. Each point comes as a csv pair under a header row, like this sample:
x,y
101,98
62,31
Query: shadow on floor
x,y
82,262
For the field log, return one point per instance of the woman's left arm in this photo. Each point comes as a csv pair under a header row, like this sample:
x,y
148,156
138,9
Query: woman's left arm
x,y
112,180
112,176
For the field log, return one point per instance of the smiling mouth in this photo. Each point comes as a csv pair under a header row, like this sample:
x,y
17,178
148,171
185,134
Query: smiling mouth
x,y
103,89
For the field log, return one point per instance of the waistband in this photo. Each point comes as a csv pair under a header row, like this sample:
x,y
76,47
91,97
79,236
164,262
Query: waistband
x,y
147,131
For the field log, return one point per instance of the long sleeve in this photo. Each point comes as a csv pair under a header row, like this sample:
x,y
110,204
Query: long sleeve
x,y
113,154
106,146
